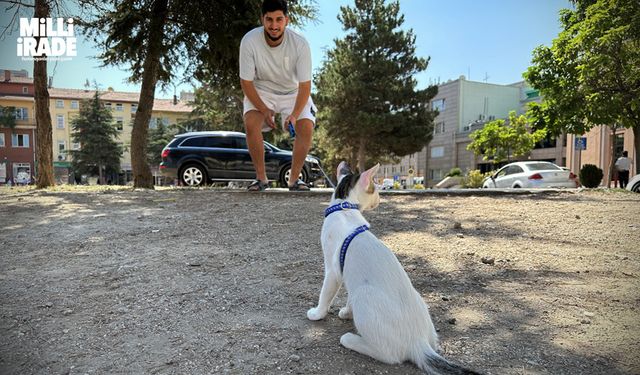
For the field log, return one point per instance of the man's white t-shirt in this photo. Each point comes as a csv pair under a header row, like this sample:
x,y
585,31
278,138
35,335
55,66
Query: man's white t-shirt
x,y
623,164
275,69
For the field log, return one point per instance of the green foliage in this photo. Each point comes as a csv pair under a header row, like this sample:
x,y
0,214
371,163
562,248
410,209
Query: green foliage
x,y
158,139
94,130
590,176
8,117
366,91
454,172
499,140
218,108
591,73
474,179
418,187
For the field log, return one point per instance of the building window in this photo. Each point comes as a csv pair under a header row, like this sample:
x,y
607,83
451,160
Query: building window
x,y
438,105
62,146
438,128
59,103
74,104
153,124
21,114
119,107
25,89
1,139
119,123
107,105
60,121
134,108
75,146
437,152
20,140
436,174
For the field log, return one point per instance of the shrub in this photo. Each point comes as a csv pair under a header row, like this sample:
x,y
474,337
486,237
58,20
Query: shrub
x,y
396,185
474,179
418,187
590,176
454,172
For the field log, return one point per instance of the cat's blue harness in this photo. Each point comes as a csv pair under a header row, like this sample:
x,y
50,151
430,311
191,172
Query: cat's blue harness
x,y
347,241
339,207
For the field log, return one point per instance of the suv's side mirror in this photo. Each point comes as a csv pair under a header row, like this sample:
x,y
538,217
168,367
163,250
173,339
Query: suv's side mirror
x,y
267,149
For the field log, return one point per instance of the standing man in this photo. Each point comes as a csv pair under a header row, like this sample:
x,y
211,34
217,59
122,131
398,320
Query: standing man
x,y
275,76
623,165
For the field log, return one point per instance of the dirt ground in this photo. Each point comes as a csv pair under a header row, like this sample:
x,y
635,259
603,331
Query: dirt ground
x,y
208,281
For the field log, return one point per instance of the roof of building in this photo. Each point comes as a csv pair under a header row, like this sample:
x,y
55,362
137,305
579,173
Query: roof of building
x,y
19,80
165,105
16,97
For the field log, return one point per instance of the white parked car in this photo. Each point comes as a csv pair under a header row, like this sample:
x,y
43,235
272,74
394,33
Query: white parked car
x,y
634,184
531,175
387,184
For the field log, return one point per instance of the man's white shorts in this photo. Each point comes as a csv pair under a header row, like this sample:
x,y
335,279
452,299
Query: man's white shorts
x,y
282,104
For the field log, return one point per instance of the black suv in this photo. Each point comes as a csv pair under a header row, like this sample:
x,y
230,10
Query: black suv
x,y
199,157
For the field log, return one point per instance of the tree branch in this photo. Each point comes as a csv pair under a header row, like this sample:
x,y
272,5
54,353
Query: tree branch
x,y
19,3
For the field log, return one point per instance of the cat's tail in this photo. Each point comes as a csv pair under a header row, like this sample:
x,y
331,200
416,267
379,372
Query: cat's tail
x,y
433,363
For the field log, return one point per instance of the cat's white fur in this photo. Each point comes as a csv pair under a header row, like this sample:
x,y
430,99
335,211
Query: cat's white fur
x,y
391,318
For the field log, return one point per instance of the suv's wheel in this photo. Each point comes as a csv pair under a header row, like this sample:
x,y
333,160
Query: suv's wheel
x,y
285,175
636,188
193,175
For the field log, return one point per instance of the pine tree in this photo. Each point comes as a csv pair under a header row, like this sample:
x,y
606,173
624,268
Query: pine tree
x,y
94,130
158,139
367,95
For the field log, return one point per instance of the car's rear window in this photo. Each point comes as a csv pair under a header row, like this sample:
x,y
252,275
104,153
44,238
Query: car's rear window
x,y
543,167
194,142
174,142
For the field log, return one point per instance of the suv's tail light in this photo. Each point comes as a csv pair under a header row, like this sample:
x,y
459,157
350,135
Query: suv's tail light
x,y
165,153
535,176
572,176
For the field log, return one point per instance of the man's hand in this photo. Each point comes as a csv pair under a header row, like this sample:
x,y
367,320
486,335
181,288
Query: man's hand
x,y
290,119
268,117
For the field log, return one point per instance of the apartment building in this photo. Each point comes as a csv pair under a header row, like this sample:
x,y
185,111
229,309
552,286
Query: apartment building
x,y
65,105
465,106
17,145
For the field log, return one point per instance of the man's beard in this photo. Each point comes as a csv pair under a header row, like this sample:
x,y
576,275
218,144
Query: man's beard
x,y
272,38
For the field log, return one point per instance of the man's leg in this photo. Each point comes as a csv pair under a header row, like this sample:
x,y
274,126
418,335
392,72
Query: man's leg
x,y
253,121
301,147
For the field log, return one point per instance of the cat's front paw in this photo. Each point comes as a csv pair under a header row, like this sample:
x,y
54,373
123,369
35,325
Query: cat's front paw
x,y
345,313
316,314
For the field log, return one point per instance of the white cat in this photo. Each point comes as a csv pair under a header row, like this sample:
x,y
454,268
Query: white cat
x,y
391,319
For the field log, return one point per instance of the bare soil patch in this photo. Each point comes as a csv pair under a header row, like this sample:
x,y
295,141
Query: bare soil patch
x,y
218,282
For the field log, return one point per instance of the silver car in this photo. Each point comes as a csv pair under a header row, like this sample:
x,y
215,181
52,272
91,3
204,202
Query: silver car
x,y
531,175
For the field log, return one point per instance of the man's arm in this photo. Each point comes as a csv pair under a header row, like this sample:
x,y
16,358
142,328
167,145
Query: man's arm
x,y
250,91
304,91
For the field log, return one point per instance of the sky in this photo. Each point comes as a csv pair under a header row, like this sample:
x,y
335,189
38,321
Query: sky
x,y
488,40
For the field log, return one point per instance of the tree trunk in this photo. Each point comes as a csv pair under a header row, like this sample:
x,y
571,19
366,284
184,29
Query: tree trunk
x,y
44,132
142,177
362,155
636,147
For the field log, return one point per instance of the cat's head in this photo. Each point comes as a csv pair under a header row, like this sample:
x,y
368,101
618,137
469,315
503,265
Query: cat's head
x,y
357,188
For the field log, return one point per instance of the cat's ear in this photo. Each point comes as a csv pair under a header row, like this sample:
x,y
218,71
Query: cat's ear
x,y
366,178
343,169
